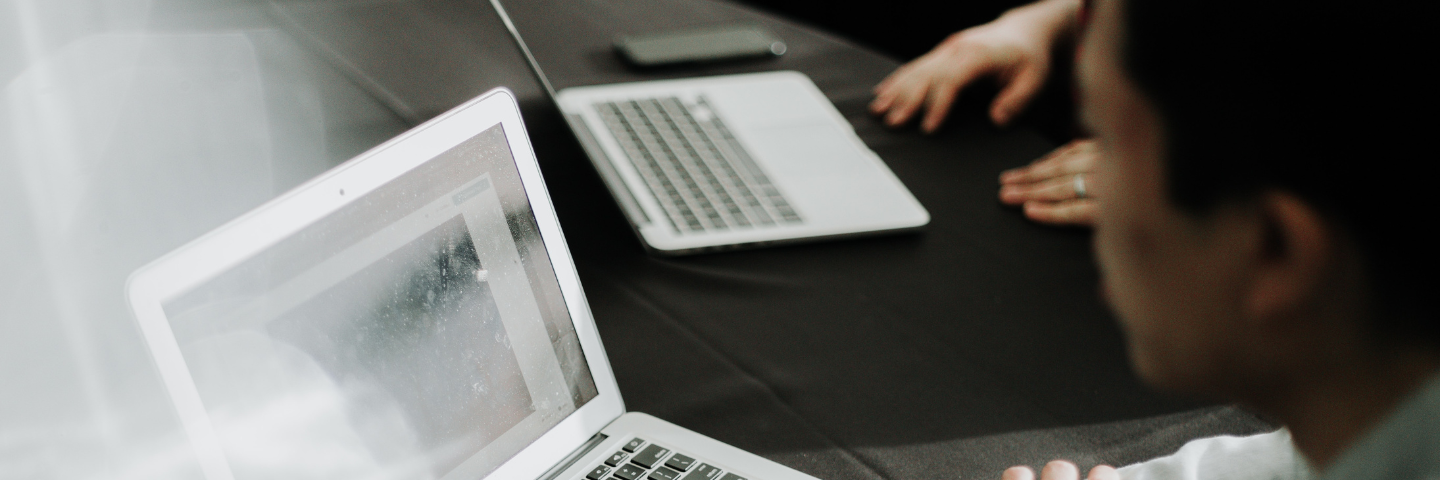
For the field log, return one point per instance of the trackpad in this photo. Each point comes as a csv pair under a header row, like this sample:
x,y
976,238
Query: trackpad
x,y
807,153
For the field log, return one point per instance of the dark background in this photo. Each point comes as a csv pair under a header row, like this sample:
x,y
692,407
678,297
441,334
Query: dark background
x,y
902,29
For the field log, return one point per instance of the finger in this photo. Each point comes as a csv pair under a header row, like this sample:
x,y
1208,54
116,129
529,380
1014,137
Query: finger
x,y
895,75
938,105
881,103
1069,159
1082,155
907,100
880,87
1032,172
1018,473
1103,472
1071,212
884,99
885,91
893,86
1017,94
1061,164
1050,190
944,92
1060,470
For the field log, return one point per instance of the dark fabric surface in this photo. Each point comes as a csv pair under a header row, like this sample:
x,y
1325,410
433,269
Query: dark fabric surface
x,y
954,352
903,29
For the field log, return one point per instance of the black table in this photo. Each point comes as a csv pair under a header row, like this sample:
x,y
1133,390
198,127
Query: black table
x,y
956,352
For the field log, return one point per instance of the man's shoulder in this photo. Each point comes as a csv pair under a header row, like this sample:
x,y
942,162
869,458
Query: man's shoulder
x,y
1406,445
1266,456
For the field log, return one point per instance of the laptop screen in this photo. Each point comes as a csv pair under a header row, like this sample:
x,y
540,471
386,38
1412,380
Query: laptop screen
x,y
417,332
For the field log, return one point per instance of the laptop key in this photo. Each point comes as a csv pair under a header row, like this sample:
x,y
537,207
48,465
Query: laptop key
x,y
598,473
616,459
663,473
633,445
704,472
680,462
629,471
650,456
731,476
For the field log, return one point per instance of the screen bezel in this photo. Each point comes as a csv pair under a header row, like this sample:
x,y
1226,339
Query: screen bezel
x,y
229,245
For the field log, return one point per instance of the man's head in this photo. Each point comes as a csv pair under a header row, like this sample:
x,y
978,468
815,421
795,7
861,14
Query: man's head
x,y
1252,159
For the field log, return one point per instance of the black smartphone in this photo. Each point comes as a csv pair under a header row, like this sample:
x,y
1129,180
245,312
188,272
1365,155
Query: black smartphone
x,y
699,45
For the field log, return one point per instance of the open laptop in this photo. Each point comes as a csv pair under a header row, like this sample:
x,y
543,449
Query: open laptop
x,y
731,161
413,313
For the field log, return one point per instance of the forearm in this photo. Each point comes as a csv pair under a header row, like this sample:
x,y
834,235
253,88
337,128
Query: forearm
x,y
1056,21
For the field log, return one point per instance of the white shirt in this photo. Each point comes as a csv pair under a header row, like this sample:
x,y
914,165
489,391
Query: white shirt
x,y
1267,456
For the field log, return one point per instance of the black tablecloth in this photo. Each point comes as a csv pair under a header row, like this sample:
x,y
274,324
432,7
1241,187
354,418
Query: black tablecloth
x,y
955,352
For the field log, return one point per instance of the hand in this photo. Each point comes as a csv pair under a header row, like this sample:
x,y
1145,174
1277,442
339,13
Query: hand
x,y
1061,470
1048,187
1014,49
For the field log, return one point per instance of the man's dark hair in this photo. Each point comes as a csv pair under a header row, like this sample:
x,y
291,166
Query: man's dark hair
x,y
1325,100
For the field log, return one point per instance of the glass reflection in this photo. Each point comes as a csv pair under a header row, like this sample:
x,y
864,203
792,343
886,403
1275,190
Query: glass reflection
x,y
127,128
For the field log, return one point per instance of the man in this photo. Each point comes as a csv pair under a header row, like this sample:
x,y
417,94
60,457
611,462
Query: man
x,y
1246,155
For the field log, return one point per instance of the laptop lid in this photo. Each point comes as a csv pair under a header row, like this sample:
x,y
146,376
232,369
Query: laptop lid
x,y
413,313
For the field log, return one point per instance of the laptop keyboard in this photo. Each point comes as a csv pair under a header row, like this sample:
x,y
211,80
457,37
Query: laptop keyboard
x,y
642,460
694,166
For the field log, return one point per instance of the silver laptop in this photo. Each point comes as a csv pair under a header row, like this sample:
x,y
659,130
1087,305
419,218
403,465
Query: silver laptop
x,y
411,314
731,161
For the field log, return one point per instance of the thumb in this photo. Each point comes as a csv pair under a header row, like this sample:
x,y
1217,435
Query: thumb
x,y
1017,94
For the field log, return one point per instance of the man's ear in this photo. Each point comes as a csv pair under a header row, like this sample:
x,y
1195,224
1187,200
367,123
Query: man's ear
x,y
1299,249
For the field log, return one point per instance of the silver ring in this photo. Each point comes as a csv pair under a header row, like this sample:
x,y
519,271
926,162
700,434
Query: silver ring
x,y
1079,184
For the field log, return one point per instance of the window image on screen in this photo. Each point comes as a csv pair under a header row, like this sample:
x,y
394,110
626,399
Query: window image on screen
x,y
418,332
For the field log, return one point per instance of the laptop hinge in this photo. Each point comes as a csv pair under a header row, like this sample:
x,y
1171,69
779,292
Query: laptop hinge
x,y
574,457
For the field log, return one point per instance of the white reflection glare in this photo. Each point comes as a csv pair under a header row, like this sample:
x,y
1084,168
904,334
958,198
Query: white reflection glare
x,y
281,415
53,452
128,127
43,145
101,133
